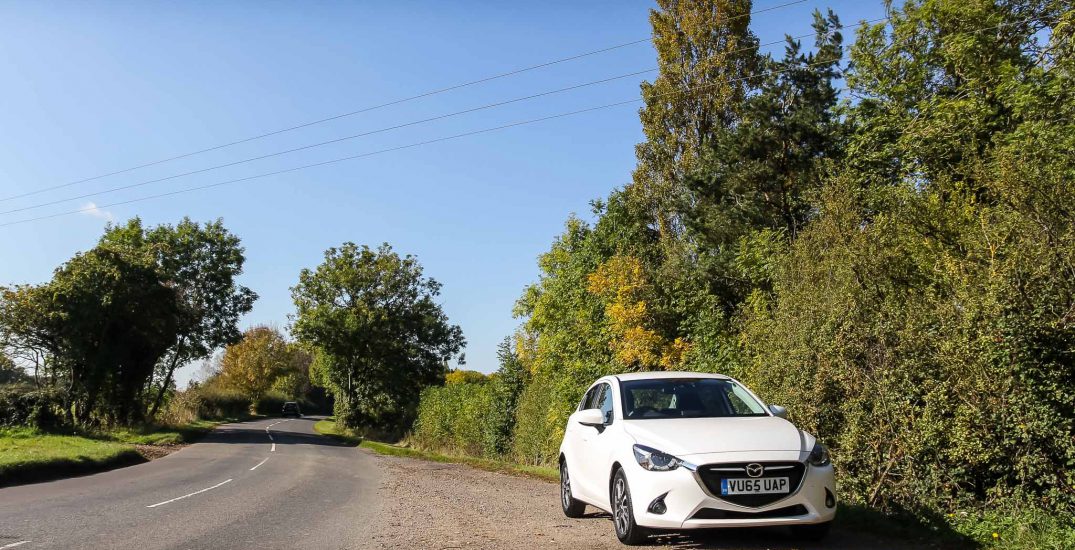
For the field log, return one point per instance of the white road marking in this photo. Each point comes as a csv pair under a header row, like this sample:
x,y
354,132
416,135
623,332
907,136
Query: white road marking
x,y
190,495
273,449
14,544
259,464
270,437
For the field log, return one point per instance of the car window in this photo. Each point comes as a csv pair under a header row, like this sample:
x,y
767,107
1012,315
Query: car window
x,y
687,398
588,400
604,402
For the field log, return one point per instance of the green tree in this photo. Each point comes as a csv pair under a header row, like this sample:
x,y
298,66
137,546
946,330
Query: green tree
x,y
704,49
379,335
763,173
10,373
201,262
102,323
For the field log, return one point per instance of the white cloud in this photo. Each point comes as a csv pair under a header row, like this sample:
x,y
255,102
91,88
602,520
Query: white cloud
x,y
91,209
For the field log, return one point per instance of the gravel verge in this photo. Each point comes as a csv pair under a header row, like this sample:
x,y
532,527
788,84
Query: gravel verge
x,y
433,505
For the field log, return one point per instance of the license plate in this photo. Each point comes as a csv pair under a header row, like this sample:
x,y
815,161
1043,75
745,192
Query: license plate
x,y
759,486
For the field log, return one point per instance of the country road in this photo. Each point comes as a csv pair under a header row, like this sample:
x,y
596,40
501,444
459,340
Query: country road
x,y
268,483
275,483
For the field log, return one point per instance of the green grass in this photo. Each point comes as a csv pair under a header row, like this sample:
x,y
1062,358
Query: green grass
x,y
328,427
31,455
163,435
27,455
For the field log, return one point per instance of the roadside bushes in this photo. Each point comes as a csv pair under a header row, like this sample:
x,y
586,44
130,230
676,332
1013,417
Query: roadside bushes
x,y
25,406
472,413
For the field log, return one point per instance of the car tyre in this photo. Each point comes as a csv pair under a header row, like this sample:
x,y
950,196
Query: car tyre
x,y
813,532
572,508
623,515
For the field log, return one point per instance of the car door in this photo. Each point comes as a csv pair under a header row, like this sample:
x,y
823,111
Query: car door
x,y
574,447
594,447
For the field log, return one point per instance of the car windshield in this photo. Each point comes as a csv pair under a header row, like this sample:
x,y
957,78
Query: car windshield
x,y
687,398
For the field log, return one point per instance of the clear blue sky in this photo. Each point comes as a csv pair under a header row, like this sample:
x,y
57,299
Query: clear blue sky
x,y
92,87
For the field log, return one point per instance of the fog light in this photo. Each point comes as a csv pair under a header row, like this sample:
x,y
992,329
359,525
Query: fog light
x,y
830,499
657,506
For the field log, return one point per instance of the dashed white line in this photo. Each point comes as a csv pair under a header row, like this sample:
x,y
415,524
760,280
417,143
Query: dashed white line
x,y
189,495
14,544
259,464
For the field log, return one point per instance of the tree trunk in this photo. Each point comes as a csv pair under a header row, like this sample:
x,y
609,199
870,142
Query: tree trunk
x,y
167,381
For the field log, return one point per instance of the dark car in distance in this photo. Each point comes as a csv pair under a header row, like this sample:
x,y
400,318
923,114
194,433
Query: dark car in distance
x,y
291,408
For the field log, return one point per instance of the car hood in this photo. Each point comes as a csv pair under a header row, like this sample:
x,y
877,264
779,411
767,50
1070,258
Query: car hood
x,y
687,436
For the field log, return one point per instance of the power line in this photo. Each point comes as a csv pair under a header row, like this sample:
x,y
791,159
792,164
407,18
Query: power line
x,y
451,137
408,146
380,130
374,107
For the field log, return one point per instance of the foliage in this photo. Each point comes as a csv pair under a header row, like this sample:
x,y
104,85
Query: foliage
x,y
472,413
379,336
252,365
38,408
898,269
117,320
201,262
10,373
103,322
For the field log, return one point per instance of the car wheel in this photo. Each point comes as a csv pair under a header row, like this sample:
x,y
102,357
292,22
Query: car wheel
x,y
623,515
572,508
812,532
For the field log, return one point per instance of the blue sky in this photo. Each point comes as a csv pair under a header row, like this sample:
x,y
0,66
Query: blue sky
x,y
93,87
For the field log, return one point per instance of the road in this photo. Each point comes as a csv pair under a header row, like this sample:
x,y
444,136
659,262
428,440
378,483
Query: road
x,y
262,484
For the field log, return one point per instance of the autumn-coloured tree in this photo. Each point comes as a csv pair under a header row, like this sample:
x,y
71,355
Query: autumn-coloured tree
x,y
254,363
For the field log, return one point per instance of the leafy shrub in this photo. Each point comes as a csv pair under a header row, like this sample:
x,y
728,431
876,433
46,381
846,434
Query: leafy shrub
x,y
22,405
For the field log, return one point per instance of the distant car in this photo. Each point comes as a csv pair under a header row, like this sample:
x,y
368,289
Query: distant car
x,y
680,450
291,408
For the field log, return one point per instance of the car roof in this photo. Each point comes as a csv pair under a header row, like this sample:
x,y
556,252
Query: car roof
x,y
654,375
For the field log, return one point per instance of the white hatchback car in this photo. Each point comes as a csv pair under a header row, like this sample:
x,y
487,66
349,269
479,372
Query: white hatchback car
x,y
679,450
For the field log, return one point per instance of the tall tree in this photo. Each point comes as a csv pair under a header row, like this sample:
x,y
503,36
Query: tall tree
x,y
705,54
763,172
201,262
379,334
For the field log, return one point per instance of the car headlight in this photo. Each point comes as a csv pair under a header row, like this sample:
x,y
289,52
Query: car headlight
x,y
656,461
819,455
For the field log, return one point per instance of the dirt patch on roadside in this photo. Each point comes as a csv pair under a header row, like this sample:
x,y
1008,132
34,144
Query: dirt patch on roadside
x,y
439,506
153,452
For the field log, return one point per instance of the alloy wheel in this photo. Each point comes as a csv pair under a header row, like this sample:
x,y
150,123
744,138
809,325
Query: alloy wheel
x,y
621,506
565,487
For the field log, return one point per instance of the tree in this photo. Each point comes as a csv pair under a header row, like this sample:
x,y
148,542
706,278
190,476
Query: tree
x,y
704,49
10,373
379,334
254,364
201,262
102,323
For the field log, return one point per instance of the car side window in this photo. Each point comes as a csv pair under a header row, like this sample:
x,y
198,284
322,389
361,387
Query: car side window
x,y
588,399
605,402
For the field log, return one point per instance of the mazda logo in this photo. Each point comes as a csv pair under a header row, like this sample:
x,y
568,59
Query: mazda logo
x,y
755,470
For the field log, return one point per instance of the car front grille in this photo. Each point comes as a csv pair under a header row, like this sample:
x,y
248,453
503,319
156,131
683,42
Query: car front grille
x,y
785,512
711,476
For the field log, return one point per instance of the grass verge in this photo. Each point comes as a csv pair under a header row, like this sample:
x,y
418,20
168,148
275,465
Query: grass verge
x,y
28,455
328,427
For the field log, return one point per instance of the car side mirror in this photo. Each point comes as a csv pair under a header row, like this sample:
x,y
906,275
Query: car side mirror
x,y
777,410
591,417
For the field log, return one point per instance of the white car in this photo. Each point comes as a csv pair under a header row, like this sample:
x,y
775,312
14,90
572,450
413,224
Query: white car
x,y
679,450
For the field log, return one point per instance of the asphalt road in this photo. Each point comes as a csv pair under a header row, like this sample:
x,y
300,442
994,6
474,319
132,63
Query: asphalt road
x,y
260,484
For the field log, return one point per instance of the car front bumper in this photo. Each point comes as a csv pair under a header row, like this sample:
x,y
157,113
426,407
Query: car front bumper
x,y
689,504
